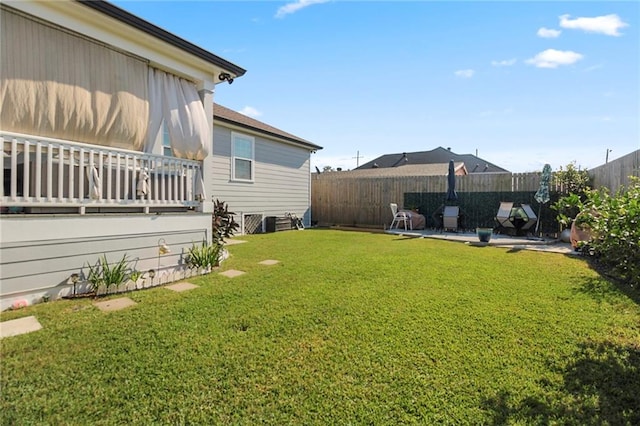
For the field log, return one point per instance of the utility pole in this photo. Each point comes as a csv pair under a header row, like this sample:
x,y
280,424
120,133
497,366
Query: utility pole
x,y
357,157
606,159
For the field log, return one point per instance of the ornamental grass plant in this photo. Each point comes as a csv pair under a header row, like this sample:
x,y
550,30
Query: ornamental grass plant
x,y
348,328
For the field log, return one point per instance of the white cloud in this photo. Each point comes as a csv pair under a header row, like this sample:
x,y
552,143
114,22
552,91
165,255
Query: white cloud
x,y
295,6
594,67
465,73
250,112
504,63
606,24
548,33
552,58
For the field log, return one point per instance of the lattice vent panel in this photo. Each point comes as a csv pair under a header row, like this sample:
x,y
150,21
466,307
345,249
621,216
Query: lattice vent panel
x,y
252,223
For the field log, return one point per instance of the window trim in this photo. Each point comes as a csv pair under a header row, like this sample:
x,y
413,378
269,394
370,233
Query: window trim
x,y
251,139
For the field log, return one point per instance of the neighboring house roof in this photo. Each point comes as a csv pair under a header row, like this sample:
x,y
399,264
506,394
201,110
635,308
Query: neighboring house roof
x,y
441,169
439,155
226,115
140,24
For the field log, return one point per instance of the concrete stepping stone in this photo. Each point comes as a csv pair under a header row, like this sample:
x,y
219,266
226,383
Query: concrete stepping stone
x,y
114,304
179,287
19,326
269,262
232,273
233,242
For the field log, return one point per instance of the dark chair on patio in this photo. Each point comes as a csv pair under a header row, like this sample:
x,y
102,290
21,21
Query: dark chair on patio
x,y
531,217
503,217
450,216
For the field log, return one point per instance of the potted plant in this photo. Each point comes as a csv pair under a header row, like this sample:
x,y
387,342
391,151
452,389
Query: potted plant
x,y
484,234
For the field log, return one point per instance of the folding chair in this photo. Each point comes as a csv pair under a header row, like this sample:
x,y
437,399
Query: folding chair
x,y
450,216
400,217
503,217
531,217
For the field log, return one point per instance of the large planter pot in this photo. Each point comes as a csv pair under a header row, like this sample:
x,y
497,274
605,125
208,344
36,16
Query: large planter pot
x,y
579,234
484,234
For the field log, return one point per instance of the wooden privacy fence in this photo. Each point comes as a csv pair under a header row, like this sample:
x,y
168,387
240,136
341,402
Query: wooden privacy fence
x,y
349,198
339,199
616,173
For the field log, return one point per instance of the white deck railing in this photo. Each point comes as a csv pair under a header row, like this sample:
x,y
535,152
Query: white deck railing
x,y
45,172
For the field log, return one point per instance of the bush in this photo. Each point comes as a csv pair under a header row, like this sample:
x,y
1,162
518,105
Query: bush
x,y
102,273
224,225
204,255
573,186
615,225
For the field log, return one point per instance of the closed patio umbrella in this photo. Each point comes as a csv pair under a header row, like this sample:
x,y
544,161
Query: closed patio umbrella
x,y
542,195
451,183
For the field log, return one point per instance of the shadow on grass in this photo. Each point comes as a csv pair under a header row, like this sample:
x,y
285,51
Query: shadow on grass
x,y
606,287
601,385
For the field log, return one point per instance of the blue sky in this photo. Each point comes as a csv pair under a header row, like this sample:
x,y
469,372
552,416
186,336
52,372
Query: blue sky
x,y
520,83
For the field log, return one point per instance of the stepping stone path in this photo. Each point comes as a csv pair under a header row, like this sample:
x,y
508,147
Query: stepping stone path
x,y
181,287
232,242
232,273
114,304
19,326
29,324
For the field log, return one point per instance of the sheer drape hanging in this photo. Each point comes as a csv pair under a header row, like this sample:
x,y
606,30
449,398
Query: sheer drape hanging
x,y
175,102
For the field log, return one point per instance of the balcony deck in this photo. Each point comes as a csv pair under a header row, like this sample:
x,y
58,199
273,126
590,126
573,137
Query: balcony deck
x,y
44,175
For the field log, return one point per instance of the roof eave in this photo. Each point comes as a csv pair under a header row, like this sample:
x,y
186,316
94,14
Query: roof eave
x,y
167,37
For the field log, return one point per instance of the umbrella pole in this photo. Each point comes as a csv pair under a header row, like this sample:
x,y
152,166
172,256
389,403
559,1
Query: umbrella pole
x,y
539,217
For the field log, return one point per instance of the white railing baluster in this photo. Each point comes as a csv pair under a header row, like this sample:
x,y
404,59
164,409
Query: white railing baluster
x,y
14,169
25,175
109,164
60,173
38,172
81,175
125,194
49,172
163,182
71,165
156,185
118,171
176,176
100,175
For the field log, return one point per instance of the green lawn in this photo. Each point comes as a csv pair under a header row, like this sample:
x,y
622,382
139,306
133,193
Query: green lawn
x,y
349,328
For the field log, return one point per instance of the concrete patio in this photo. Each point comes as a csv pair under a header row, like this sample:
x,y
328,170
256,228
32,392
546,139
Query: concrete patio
x,y
497,240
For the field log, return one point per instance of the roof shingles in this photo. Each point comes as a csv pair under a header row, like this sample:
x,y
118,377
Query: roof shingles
x,y
227,115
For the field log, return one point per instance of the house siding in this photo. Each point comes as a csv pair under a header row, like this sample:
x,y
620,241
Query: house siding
x,y
281,182
39,253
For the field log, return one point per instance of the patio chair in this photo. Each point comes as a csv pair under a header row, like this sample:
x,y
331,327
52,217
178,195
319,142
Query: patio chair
x,y
531,217
503,217
400,217
450,216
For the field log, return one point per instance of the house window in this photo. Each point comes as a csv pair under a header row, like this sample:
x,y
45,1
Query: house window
x,y
166,140
242,162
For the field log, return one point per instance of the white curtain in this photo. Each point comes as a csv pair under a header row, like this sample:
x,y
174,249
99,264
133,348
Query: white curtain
x,y
175,102
62,85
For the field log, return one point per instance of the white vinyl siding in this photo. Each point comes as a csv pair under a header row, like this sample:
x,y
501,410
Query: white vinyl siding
x,y
242,164
281,180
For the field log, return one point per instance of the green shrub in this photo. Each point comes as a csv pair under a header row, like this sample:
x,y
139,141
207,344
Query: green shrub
x,y
615,226
224,225
204,255
102,273
573,185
